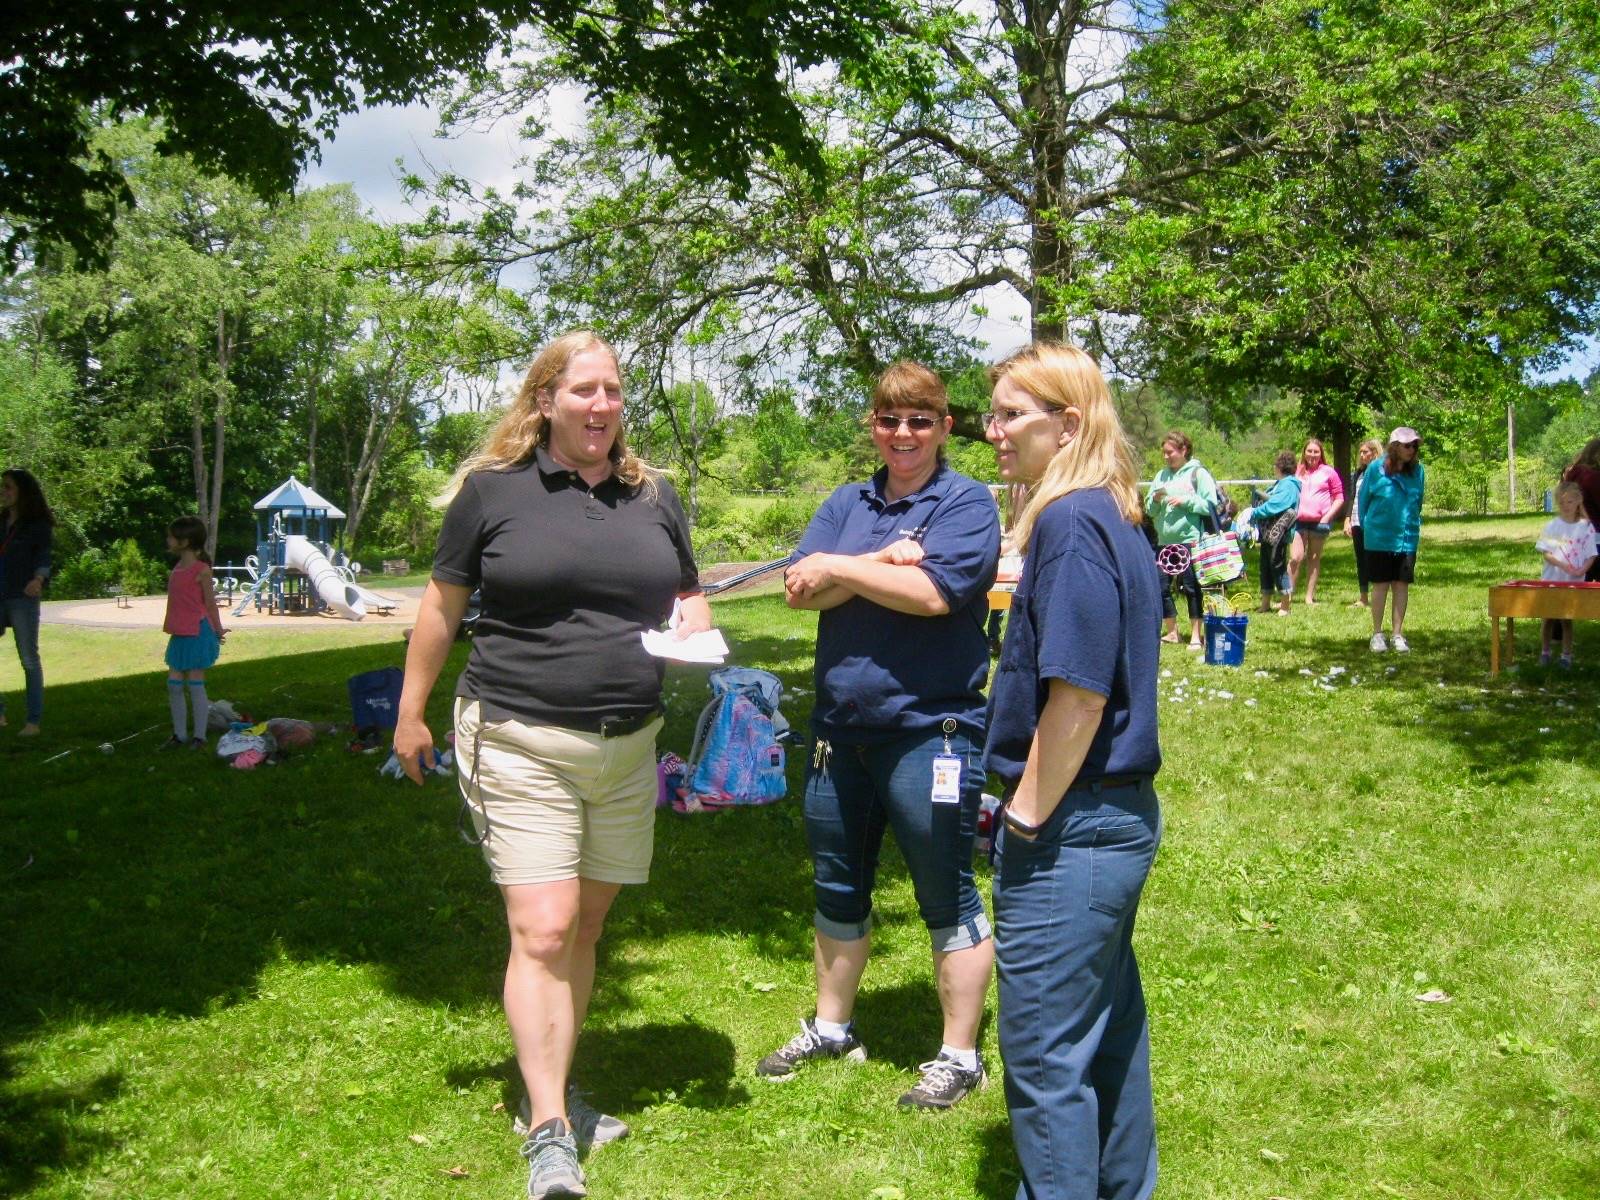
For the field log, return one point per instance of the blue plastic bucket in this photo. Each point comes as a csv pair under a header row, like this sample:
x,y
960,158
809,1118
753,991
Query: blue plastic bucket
x,y
1225,640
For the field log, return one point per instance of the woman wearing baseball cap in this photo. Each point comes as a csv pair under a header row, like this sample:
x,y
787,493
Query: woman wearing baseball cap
x,y
1391,520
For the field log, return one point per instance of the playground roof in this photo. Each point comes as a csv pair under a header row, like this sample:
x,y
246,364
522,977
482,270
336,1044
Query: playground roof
x,y
291,493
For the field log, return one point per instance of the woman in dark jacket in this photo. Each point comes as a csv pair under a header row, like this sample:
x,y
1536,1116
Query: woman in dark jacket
x,y
25,534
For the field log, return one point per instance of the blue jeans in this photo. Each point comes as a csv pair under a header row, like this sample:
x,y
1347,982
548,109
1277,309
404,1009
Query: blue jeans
x,y
853,793
22,615
1073,1028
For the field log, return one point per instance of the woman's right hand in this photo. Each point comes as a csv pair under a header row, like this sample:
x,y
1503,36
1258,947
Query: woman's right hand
x,y
904,553
412,743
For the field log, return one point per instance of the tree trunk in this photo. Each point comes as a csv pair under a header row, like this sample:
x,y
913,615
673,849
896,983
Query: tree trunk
x,y
226,345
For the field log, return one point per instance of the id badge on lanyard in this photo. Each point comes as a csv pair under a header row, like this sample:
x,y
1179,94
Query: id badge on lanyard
x,y
947,771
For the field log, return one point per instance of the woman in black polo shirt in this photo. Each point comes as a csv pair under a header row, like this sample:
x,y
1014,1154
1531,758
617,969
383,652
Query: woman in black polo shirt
x,y
577,547
1072,731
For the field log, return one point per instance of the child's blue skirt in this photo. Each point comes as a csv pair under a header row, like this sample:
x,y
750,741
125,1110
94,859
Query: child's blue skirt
x,y
193,653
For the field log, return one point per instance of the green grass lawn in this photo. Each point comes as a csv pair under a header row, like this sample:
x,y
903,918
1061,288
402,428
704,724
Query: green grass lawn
x,y
286,982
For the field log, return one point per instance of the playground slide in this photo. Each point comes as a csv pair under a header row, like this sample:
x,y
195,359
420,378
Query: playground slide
x,y
301,554
370,598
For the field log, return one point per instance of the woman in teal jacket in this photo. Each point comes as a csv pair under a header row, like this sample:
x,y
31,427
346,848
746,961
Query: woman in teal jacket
x,y
1181,498
1391,522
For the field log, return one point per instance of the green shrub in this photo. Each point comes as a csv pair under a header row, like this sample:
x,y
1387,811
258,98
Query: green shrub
x,y
85,577
135,574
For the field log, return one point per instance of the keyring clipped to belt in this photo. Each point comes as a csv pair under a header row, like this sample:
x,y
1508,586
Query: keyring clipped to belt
x,y
465,826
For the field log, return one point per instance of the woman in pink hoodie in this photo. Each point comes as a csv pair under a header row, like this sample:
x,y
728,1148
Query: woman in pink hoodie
x,y
1321,501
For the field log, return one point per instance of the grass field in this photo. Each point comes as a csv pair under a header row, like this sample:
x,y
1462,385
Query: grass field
x,y
285,983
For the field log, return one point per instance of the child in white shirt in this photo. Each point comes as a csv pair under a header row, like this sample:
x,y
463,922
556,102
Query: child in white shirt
x,y
1568,544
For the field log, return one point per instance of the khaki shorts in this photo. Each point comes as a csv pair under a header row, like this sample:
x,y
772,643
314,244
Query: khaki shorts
x,y
560,803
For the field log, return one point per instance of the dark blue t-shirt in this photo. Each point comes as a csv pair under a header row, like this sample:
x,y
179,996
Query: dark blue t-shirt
x,y
881,673
1087,611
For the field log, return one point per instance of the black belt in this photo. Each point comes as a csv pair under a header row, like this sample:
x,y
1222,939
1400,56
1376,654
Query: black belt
x,y
610,727
1106,782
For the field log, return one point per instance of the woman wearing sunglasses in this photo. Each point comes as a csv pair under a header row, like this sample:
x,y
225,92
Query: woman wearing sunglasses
x,y
1391,521
899,568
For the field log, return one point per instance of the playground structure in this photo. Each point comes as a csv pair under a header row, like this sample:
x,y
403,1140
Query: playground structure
x,y
296,568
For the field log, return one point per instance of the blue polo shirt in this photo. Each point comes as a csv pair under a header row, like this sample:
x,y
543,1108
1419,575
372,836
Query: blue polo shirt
x,y
1087,611
881,673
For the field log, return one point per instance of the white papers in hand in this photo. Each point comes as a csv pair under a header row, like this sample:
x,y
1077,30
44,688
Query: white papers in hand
x,y
706,647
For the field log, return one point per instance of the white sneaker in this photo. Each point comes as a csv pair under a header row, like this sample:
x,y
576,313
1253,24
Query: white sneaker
x,y
1378,644
1401,646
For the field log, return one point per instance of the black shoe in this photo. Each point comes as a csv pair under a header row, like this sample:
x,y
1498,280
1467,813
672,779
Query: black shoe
x,y
173,743
943,1083
805,1046
197,744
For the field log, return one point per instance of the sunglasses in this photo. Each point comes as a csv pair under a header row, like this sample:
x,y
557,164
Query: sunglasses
x,y
891,424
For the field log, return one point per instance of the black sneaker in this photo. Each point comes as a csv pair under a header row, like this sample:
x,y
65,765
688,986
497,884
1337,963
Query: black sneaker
x,y
806,1045
943,1083
197,743
173,743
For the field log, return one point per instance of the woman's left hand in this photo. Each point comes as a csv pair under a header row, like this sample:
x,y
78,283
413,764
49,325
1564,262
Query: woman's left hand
x,y
694,616
809,576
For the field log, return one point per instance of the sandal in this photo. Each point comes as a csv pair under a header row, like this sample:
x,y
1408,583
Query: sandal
x,y
1170,638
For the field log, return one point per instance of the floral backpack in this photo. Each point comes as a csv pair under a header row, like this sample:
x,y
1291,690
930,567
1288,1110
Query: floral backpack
x,y
737,758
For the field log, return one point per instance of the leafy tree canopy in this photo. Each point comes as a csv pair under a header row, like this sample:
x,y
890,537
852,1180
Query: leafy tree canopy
x,y
247,89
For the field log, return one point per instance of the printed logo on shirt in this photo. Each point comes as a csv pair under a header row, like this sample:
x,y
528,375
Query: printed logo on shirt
x,y
915,534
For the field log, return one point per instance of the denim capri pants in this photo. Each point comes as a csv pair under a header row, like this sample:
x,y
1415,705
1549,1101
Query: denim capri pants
x,y
854,793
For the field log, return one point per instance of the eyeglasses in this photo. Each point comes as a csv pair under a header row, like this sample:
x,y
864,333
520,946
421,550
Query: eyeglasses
x,y
890,423
1007,415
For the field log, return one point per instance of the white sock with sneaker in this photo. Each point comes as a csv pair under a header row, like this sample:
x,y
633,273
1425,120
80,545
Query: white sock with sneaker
x,y
832,1030
967,1060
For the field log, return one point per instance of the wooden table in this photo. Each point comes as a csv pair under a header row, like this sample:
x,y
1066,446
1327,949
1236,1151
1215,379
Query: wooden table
x,y
1535,598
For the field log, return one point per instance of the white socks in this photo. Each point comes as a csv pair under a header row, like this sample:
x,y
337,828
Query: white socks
x,y
967,1060
175,706
200,705
198,702
832,1030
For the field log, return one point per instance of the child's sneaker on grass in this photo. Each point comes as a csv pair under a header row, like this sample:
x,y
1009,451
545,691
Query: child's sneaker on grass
x,y
552,1154
943,1083
1378,644
805,1046
1401,646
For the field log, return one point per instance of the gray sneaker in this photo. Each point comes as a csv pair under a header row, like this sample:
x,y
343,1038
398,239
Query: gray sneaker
x,y
943,1083
552,1154
808,1044
590,1126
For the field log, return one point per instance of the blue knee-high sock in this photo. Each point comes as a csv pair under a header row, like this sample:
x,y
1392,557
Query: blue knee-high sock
x,y
201,705
175,705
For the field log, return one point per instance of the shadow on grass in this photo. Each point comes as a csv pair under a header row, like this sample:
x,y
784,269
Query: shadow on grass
x,y
634,1066
49,1129
1506,727
998,1174
165,883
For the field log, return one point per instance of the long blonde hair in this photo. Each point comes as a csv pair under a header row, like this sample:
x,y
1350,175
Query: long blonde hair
x,y
524,428
1059,377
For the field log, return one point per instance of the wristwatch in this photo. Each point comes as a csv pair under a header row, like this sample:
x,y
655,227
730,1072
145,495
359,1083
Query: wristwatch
x,y
1018,826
